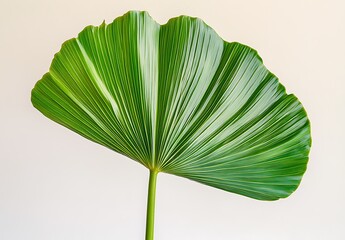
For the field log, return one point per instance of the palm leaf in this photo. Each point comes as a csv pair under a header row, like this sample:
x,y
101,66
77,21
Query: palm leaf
x,y
178,99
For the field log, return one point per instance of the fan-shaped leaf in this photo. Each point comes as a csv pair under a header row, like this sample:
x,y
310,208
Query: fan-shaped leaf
x,y
179,99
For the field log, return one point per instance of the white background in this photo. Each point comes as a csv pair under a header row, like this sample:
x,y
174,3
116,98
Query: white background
x,y
55,184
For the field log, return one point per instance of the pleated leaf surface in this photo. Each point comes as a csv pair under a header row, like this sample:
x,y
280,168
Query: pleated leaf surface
x,y
179,99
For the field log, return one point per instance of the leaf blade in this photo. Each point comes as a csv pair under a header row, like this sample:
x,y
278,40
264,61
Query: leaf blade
x,y
179,99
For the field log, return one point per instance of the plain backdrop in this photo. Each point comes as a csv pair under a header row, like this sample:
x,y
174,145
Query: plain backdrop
x,y
54,184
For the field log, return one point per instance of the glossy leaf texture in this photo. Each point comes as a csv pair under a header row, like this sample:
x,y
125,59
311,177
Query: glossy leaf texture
x,y
179,99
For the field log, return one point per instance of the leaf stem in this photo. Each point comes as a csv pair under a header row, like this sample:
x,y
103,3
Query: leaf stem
x,y
150,217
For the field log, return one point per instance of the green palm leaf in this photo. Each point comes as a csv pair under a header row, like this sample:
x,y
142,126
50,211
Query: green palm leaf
x,y
178,99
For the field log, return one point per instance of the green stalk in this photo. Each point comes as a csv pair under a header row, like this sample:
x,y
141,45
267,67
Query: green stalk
x,y
150,217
